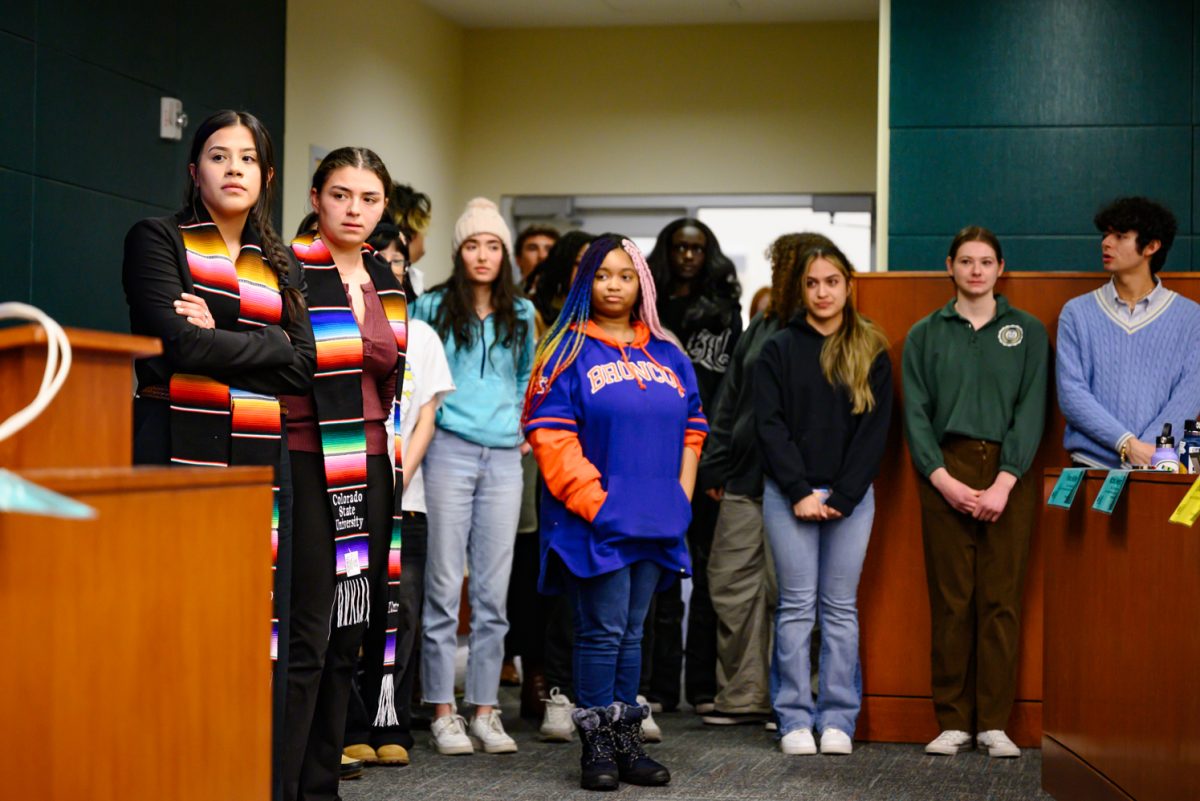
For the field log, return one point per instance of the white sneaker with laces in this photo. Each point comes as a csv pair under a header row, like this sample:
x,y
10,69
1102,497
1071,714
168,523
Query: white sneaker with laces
x,y
650,730
997,744
450,735
836,741
949,743
487,732
556,723
798,742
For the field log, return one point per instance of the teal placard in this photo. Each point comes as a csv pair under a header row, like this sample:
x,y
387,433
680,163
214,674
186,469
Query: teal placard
x,y
1063,494
1110,491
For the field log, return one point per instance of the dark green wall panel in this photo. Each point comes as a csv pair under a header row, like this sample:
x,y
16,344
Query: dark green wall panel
x,y
19,17
1031,180
1041,62
77,277
1039,253
136,38
123,155
16,224
16,98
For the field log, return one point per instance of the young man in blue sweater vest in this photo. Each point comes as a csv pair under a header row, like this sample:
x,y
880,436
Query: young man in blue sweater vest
x,y
1125,363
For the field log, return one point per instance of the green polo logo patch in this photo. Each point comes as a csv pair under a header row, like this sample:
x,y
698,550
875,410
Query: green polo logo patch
x,y
1011,335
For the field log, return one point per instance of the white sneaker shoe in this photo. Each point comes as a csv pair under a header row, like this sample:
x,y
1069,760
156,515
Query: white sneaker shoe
x,y
997,744
836,741
650,730
798,742
487,732
556,723
450,735
949,743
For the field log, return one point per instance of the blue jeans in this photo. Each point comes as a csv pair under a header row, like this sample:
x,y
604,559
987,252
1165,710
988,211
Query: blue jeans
x,y
473,498
818,565
609,611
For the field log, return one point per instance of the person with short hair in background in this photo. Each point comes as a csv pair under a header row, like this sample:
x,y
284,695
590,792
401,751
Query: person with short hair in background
x,y
975,374
1121,375
533,246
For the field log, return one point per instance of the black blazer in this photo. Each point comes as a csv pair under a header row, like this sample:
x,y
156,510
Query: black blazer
x,y
264,360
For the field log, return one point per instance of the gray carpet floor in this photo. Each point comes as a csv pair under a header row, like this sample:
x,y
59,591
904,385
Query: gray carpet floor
x,y
739,763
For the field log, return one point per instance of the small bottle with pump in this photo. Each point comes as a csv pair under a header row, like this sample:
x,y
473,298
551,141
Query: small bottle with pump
x,y
1189,447
1165,458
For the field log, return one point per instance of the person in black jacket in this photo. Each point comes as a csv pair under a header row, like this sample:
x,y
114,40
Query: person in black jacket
x,y
698,294
822,403
217,286
741,578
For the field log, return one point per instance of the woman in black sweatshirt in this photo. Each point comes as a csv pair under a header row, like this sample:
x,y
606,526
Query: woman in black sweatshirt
x,y
822,403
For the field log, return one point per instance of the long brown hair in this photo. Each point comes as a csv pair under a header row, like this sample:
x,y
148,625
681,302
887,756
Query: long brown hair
x,y
456,316
849,352
275,252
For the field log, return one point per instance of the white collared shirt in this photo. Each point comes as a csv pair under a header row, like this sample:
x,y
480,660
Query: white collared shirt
x,y
1146,308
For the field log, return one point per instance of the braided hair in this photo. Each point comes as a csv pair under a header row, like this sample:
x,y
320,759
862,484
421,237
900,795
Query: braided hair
x,y
569,332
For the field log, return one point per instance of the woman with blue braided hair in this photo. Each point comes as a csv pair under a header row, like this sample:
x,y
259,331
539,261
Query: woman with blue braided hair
x,y
613,415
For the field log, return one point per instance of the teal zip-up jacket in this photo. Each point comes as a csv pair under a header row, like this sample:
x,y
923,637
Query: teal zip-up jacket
x,y
490,377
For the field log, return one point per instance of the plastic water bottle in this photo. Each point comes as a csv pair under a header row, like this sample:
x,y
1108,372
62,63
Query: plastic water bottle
x,y
1165,458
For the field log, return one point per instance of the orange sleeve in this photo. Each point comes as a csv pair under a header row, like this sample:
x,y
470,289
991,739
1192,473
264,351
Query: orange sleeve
x,y
695,440
568,474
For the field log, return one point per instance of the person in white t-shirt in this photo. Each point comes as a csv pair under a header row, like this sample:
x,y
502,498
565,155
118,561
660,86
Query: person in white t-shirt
x,y
427,379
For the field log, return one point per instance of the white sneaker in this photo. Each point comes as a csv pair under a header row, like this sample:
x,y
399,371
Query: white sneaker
x,y
556,723
798,742
771,725
487,732
450,735
949,743
650,730
997,744
836,741
705,708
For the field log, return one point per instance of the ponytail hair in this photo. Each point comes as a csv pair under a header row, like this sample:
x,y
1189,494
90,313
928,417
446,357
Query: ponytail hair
x,y
849,352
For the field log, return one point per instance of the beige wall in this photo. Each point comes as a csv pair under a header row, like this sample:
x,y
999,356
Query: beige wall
x,y
384,74
459,113
673,109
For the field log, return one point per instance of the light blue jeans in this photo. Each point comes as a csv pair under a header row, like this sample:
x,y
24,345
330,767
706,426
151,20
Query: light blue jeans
x,y
473,498
818,566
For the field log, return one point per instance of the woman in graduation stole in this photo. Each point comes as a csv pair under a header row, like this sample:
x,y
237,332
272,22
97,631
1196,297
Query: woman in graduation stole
x,y
347,506
221,290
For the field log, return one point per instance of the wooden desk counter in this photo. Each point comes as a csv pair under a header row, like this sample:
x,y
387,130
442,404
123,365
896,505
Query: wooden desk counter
x,y
1122,645
136,645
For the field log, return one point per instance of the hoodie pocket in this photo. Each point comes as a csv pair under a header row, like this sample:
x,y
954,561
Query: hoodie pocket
x,y
643,507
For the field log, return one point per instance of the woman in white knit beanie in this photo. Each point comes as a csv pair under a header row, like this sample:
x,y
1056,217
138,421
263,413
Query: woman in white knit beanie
x,y
473,474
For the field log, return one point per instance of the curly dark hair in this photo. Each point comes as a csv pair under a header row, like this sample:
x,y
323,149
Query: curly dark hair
x,y
717,275
277,254
456,317
410,210
787,257
1152,221
548,284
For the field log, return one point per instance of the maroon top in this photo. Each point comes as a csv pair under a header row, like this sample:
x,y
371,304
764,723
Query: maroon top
x,y
378,384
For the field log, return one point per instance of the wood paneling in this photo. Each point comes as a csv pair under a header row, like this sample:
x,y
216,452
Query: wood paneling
x,y
137,645
1068,778
1122,613
893,599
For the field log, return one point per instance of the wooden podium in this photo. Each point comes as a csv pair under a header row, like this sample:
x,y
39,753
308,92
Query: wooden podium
x,y
136,661
1122,614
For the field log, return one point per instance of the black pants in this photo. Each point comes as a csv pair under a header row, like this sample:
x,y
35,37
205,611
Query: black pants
x,y
527,617
321,655
364,697
662,642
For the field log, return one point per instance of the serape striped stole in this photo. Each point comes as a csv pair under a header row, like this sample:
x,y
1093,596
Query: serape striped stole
x,y
212,424
337,392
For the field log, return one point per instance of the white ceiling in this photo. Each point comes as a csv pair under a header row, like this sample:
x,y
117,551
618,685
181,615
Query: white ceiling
x,y
596,13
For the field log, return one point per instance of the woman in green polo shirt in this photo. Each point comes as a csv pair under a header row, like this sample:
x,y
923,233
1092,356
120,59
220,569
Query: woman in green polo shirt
x,y
975,375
